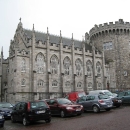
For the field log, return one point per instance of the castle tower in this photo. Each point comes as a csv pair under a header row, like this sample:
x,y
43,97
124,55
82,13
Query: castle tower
x,y
114,38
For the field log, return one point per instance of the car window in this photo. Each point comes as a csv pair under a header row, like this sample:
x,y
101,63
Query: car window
x,y
127,93
64,101
103,96
17,106
120,94
90,97
82,99
22,106
38,104
51,102
5,105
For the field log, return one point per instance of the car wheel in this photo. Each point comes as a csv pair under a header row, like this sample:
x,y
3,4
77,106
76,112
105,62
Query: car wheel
x,y
12,119
2,125
108,109
62,114
25,121
96,109
118,106
48,120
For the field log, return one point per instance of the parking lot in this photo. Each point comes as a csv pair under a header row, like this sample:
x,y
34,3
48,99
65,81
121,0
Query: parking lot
x,y
116,119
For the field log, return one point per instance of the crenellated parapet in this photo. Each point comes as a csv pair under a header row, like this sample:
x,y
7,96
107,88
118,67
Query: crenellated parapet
x,y
117,27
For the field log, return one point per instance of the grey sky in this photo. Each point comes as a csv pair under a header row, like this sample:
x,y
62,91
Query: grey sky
x,y
69,16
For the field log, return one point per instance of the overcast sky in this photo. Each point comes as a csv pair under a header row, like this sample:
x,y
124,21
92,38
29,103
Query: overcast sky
x,y
69,16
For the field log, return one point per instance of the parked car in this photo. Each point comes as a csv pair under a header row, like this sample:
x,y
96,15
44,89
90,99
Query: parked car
x,y
116,101
31,111
6,109
95,103
124,96
73,96
2,120
64,107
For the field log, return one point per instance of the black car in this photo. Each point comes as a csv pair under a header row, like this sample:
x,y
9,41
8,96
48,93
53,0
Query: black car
x,y
31,111
96,103
6,109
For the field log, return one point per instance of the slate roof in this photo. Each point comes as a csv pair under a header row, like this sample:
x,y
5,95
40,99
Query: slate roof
x,y
55,39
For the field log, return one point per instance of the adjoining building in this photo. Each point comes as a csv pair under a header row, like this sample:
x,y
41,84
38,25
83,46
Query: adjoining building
x,y
115,39
42,65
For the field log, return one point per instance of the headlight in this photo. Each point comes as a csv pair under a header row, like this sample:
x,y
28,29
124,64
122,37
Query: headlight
x,y
81,106
2,112
69,108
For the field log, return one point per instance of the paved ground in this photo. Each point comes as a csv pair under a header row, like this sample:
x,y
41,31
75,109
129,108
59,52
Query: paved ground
x,y
116,119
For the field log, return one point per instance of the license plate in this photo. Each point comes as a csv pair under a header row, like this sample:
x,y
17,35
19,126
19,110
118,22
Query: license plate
x,y
8,115
109,105
43,111
0,117
78,109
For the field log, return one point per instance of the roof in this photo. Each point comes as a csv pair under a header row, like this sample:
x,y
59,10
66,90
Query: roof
x,y
55,39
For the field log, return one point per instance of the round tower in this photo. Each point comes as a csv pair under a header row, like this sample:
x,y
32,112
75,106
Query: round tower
x,y
114,39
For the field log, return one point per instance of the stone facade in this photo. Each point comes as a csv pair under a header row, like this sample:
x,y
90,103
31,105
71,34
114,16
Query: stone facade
x,y
115,38
41,65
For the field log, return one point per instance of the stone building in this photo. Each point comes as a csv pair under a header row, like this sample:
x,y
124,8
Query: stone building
x,y
42,65
115,39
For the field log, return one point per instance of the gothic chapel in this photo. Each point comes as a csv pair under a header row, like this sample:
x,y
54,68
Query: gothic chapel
x,y
42,65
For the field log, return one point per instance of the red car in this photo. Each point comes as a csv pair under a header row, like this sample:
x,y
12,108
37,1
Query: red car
x,y
64,107
74,96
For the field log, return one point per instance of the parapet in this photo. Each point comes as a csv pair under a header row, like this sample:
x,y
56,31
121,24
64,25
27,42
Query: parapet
x,y
111,26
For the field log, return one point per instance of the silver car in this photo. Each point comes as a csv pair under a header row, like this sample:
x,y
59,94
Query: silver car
x,y
96,103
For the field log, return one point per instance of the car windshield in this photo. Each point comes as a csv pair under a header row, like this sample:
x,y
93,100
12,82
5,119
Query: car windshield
x,y
5,105
64,101
103,96
81,94
38,104
108,93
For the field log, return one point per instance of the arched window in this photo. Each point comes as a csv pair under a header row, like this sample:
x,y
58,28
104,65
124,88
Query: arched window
x,y
54,83
78,65
54,64
40,83
40,62
23,82
67,84
66,64
79,85
89,68
23,65
98,68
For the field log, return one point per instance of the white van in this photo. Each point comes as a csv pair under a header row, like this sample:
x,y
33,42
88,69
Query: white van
x,y
107,92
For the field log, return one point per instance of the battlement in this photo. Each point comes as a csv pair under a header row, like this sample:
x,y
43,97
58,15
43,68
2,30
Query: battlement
x,y
111,26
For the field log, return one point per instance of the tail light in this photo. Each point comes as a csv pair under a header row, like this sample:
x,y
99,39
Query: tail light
x,y
28,106
100,101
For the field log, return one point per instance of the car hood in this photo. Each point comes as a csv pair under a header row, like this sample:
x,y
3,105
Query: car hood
x,y
5,109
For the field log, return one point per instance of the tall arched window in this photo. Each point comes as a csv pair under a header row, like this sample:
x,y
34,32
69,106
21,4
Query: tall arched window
x,y
99,86
89,68
23,65
23,82
54,64
98,68
78,65
67,84
40,61
79,85
66,64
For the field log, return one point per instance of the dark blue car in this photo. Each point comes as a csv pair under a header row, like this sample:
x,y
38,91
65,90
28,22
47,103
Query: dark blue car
x,y
2,120
6,109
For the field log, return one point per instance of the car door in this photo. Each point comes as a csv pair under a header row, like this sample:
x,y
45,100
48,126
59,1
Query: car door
x,y
21,111
15,111
83,101
53,107
126,97
89,102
